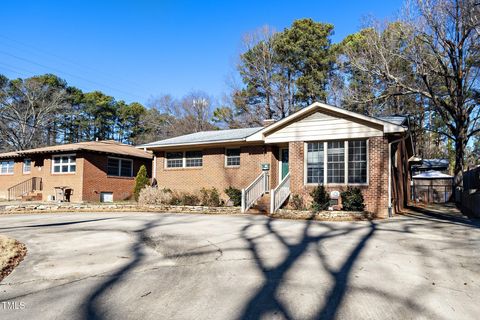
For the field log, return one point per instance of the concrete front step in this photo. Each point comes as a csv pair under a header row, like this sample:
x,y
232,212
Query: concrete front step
x,y
32,196
262,206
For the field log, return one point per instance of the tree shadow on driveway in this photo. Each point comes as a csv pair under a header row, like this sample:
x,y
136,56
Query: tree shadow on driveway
x,y
93,310
265,300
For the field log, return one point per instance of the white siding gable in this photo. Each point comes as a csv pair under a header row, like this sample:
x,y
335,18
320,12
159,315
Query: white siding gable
x,y
320,126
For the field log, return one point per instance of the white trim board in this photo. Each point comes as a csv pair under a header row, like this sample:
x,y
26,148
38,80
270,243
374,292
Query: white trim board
x,y
320,126
387,127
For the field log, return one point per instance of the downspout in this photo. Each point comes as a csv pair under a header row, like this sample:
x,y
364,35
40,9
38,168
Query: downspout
x,y
154,169
390,173
154,165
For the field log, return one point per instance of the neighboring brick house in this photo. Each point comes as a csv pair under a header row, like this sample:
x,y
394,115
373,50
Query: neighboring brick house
x,y
320,144
85,171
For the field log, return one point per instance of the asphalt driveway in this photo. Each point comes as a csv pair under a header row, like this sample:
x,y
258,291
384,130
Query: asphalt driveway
x,y
167,266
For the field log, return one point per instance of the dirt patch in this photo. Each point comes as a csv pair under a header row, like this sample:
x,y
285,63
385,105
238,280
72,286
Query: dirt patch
x,y
12,253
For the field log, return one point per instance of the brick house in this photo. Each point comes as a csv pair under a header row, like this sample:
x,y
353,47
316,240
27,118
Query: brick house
x,y
85,171
320,144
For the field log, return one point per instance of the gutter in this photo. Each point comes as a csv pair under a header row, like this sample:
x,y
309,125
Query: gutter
x,y
175,145
390,173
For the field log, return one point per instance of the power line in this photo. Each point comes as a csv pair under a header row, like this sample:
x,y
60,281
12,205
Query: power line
x,y
25,73
115,78
5,67
67,73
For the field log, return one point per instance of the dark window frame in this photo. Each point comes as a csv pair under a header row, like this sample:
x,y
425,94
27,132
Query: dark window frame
x,y
119,167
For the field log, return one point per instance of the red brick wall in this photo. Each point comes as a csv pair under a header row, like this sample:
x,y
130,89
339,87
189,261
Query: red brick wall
x,y
42,168
375,193
9,180
214,173
87,182
95,179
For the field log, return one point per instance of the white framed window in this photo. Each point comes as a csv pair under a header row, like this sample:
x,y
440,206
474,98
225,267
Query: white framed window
x,y
65,163
315,162
188,159
174,159
27,166
232,157
193,159
357,161
336,162
6,166
119,167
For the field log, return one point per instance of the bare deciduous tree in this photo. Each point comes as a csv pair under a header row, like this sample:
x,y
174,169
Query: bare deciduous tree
x,y
441,43
190,114
27,109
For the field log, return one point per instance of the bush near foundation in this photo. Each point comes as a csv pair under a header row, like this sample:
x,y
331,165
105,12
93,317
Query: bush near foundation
x,y
321,200
235,195
141,180
352,199
184,199
296,202
210,197
205,197
151,195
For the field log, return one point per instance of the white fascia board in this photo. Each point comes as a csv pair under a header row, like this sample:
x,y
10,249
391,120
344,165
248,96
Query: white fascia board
x,y
257,136
174,145
388,127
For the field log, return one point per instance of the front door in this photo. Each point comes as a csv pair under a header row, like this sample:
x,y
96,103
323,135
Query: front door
x,y
283,162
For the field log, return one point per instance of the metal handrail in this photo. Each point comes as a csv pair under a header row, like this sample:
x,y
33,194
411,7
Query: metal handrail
x,y
280,194
254,191
25,187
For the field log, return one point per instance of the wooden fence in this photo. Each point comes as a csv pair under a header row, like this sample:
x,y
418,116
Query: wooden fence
x,y
468,197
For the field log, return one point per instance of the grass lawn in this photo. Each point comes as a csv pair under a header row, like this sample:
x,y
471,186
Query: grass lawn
x,y
11,253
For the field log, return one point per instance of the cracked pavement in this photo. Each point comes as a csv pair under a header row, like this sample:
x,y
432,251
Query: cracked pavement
x,y
179,266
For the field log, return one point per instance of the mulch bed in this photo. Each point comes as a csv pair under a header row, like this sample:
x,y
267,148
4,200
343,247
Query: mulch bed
x,y
14,261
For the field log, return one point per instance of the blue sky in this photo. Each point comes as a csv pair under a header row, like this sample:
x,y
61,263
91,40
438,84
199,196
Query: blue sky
x,y
134,50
